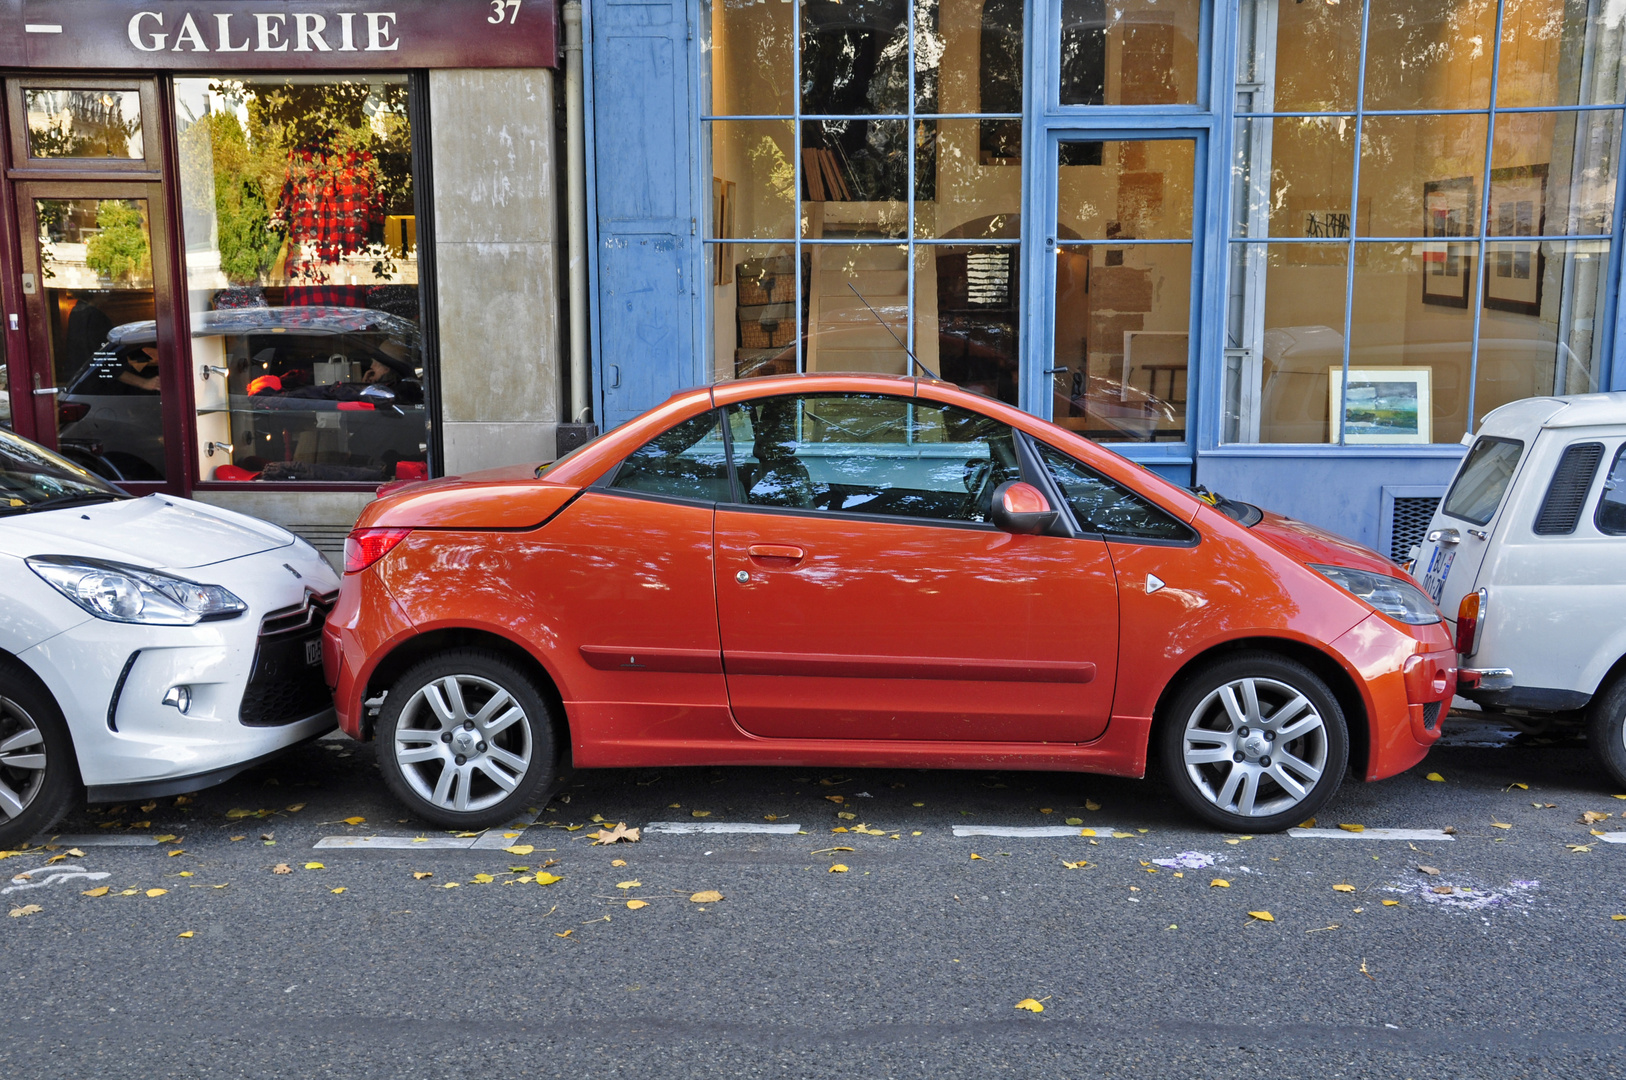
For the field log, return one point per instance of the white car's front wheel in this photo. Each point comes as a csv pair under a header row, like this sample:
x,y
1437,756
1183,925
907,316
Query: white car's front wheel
x,y
39,778
465,739
1606,729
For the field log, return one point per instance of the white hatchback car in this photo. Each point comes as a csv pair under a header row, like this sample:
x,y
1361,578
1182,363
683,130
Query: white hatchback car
x,y
148,646
1526,556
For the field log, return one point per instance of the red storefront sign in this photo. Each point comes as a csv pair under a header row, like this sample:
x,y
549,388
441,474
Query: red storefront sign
x,y
277,35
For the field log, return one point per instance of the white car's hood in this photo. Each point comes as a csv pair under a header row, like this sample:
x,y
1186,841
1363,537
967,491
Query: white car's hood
x,y
159,531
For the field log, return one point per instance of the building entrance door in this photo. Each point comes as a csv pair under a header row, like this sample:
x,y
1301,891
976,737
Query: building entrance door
x,y
1123,286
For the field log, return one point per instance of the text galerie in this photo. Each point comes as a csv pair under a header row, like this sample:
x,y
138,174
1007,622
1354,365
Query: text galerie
x,y
301,31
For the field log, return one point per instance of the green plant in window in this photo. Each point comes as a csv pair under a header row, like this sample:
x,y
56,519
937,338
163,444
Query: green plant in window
x,y
119,250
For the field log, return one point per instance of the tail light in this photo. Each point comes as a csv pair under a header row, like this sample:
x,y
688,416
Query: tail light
x,y
71,412
1471,621
363,547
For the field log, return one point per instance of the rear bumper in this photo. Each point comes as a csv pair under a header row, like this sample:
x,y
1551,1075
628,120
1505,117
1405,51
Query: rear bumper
x,y
363,627
1472,679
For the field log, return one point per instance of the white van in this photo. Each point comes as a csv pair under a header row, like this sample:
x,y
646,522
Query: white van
x,y
1526,556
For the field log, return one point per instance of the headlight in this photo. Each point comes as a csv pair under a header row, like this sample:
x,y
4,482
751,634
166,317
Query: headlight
x,y
1395,598
129,594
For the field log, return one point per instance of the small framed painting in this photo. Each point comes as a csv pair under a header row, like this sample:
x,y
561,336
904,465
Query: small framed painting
x,y
1381,405
1448,210
1514,268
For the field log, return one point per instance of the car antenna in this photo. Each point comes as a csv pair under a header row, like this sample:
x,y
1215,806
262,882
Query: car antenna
x,y
889,330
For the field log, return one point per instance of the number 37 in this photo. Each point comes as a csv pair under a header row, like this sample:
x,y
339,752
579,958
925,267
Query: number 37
x,y
499,6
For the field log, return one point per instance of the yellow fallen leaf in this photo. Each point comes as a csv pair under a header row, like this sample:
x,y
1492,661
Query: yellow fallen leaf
x,y
700,813
235,839
26,909
483,879
165,839
140,824
54,859
770,817
917,832
1435,777
182,800
1030,1005
314,866
340,889
100,890
846,815
520,849
296,808
421,874
156,892
1123,836
598,819
1353,828
149,807
234,814
184,933
836,798
129,892
1620,796
355,821
1308,823
617,835
618,862
1046,810
1075,821
282,868
636,904
1391,903
1091,804
567,933
545,878
1579,847
1588,817
839,868
974,855
629,884
1263,916
1086,832
1343,888
1500,825
1521,787
1618,918
452,885
174,853
184,873
1079,865
841,828
475,835
1219,883
706,896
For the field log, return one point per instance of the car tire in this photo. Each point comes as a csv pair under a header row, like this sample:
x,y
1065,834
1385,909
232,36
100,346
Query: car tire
x,y
451,747
39,774
1239,707
1606,729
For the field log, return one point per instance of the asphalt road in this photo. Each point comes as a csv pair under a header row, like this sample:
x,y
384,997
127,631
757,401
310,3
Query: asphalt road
x,y
908,964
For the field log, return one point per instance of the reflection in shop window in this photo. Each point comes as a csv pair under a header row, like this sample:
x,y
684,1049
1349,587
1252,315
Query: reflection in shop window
x,y
83,123
302,271
1485,294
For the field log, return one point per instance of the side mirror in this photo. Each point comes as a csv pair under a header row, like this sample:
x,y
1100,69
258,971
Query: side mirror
x,y
1022,508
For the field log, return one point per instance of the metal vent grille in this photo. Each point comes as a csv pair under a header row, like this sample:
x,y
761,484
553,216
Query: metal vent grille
x,y
1431,715
1412,515
1561,509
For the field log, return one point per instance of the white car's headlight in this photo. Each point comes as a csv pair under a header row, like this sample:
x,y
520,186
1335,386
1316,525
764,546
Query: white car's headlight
x,y
130,594
1397,599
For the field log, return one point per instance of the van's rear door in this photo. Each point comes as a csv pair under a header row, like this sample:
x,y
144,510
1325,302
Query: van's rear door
x,y
1455,544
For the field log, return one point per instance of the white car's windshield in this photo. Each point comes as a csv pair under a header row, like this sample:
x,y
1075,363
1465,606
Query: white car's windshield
x,y
1483,480
33,478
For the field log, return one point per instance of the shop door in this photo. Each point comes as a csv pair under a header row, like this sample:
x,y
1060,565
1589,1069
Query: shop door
x,y
97,329
1123,265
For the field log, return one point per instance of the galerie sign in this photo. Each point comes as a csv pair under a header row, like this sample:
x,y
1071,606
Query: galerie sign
x,y
227,35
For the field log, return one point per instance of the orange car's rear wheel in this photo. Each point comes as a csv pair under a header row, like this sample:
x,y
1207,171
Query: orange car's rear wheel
x,y
1255,743
465,739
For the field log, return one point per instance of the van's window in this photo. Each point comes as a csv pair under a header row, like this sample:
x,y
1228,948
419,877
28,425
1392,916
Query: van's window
x,y
1483,480
1611,515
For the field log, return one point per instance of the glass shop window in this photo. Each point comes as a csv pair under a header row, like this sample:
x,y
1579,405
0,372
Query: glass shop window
x,y
302,274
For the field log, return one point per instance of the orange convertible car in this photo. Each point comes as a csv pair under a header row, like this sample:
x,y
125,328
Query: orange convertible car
x,y
866,570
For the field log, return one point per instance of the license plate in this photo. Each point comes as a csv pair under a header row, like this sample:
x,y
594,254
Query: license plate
x,y
313,652
1439,568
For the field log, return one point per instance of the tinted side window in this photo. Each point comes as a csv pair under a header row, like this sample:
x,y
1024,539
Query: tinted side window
x,y
688,461
1611,515
1103,506
1483,480
870,454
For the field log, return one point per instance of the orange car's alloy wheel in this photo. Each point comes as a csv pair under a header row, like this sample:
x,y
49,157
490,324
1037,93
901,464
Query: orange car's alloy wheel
x,y
1256,743
469,741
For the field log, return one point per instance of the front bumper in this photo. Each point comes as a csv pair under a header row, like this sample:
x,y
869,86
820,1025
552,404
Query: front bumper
x,y
111,679
1407,677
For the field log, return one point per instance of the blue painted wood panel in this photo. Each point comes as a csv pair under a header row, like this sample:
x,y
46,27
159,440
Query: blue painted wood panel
x,y
646,244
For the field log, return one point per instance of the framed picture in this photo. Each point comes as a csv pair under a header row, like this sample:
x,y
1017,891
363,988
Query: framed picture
x,y
1382,405
1513,269
1448,210
722,218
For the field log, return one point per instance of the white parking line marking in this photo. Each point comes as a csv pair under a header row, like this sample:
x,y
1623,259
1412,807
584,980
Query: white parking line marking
x,y
680,828
1034,830
58,875
98,840
496,840
1370,834
1613,838
459,843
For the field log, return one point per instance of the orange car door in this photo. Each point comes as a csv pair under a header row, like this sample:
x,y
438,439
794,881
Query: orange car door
x,y
862,595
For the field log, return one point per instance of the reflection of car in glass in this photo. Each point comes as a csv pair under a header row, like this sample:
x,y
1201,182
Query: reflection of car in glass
x,y
149,646
1527,551
845,569
295,402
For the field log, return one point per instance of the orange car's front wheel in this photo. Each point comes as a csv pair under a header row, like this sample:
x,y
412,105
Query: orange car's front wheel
x,y
1255,743
465,739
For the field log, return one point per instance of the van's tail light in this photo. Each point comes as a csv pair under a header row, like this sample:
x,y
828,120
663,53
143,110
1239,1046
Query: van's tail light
x,y
71,412
1471,621
363,547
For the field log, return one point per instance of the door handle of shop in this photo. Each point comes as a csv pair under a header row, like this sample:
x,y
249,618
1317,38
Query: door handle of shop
x,y
48,390
776,551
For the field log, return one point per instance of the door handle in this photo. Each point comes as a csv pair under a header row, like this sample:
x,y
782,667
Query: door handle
x,y
48,390
776,551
